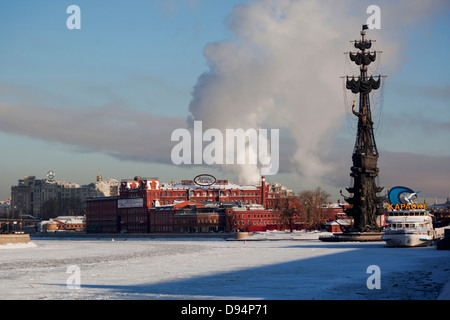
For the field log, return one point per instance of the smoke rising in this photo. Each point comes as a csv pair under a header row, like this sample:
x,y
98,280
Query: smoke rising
x,y
281,70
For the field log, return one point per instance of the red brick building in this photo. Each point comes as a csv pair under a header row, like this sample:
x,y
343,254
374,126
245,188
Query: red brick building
x,y
102,215
220,191
178,217
145,206
254,219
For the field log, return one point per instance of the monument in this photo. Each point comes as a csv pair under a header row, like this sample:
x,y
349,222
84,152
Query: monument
x,y
365,202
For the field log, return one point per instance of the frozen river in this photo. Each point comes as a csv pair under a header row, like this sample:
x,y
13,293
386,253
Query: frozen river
x,y
219,269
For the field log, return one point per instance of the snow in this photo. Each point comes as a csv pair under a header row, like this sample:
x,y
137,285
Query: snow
x,y
295,267
17,245
286,235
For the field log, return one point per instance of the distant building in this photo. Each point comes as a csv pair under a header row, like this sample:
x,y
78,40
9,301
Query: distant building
x,y
445,205
253,218
441,213
102,215
5,208
63,223
144,205
30,194
187,216
222,191
106,188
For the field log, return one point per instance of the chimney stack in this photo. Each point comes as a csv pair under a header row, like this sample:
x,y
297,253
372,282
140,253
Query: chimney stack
x,y
263,191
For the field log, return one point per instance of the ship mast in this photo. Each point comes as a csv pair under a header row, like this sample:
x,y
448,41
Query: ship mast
x,y
364,202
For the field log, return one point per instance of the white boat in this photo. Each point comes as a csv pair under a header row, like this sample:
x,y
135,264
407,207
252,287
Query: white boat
x,y
409,228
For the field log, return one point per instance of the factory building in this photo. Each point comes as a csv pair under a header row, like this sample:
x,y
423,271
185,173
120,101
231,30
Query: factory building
x,y
144,205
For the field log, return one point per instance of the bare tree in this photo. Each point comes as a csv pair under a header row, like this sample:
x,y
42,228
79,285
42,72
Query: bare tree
x,y
313,206
50,209
289,208
72,206
230,220
66,207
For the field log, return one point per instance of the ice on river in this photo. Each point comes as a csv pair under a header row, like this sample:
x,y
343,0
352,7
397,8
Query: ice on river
x,y
219,269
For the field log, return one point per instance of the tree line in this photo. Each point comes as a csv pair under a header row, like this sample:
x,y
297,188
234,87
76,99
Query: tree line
x,y
307,208
53,208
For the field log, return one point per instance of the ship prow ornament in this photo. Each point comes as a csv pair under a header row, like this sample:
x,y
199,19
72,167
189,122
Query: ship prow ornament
x,y
365,204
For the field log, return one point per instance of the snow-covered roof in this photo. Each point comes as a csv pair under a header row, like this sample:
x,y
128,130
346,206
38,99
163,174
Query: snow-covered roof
x,y
70,219
339,222
214,186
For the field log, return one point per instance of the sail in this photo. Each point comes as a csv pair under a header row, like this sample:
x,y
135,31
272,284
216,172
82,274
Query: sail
x,y
363,86
364,59
363,45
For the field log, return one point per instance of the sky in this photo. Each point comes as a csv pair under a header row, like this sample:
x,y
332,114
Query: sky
x,y
109,95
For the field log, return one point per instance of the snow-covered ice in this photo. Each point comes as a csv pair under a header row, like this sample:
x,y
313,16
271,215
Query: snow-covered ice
x,y
219,269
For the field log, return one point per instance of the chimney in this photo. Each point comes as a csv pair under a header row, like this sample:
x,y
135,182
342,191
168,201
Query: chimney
x,y
263,191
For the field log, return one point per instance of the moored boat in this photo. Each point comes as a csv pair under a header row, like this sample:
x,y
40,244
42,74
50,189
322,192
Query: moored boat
x,y
409,228
409,224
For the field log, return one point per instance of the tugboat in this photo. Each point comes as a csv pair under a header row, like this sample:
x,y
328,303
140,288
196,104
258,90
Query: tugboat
x,y
410,224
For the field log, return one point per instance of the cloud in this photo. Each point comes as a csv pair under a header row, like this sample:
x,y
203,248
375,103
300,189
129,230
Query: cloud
x,y
435,94
418,132
281,69
419,171
273,75
426,173
111,129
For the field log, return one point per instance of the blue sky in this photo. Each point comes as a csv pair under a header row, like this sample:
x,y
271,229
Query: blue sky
x,y
107,97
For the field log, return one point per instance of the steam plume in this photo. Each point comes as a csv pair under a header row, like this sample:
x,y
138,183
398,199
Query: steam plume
x,y
282,68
